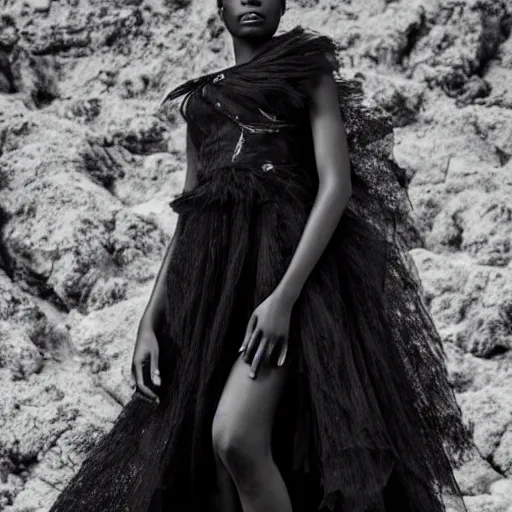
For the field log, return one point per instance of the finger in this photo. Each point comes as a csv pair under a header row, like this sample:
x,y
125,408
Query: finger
x,y
271,345
140,383
146,391
155,372
260,352
137,367
283,353
251,324
144,397
252,345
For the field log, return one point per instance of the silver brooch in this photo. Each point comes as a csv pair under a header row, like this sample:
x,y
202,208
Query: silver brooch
x,y
267,166
218,78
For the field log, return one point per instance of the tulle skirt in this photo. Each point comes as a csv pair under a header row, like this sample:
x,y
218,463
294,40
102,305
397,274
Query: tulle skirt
x,y
367,421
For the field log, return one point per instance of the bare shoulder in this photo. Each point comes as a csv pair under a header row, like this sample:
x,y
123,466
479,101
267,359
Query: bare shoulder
x,y
322,88
327,128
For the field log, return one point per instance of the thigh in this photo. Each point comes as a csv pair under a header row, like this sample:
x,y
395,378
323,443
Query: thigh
x,y
247,406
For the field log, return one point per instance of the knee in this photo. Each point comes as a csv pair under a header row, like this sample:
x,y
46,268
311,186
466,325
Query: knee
x,y
238,448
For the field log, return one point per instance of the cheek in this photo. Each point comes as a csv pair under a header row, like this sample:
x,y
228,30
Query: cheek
x,y
274,12
230,14
231,22
231,6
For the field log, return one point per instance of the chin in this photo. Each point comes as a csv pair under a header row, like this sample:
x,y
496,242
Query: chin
x,y
262,31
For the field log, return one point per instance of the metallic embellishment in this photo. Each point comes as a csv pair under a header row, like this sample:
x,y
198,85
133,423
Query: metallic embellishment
x,y
267,166
239,145
268,116
217,104
218,78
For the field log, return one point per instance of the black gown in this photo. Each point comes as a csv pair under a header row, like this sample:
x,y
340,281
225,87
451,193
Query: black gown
x,y
367,421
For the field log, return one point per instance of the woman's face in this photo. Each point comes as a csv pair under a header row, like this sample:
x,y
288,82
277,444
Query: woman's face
x,y
252,19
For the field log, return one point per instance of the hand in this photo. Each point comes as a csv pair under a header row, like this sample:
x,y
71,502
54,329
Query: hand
x,y
267,328
146,347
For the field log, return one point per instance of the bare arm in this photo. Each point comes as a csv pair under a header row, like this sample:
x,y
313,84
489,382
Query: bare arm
x,y
155,307
334,191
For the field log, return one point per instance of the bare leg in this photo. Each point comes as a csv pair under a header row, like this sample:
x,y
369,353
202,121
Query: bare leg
x,y
241,434
227,498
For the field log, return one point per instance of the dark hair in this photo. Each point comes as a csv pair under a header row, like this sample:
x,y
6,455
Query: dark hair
x,y
283,4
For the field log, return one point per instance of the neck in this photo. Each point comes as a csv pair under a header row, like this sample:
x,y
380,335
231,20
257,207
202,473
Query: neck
x,y
245,49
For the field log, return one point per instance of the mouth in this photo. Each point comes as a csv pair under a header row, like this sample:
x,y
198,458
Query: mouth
x,y
251,17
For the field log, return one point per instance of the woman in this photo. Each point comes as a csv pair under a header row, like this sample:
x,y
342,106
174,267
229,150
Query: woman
x,y
285,359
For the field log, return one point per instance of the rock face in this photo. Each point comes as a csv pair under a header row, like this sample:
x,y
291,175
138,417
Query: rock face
x,y
88,165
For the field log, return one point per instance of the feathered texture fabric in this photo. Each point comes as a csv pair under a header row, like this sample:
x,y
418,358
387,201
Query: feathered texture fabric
x,y
368,421
278,68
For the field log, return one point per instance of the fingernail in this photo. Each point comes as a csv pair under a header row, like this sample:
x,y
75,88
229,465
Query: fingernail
x,y
241,349
251,375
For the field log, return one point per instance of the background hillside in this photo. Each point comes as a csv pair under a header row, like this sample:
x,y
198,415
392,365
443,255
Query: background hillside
x,y
88,165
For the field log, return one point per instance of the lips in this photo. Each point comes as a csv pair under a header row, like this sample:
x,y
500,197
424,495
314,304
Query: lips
x,y
251,16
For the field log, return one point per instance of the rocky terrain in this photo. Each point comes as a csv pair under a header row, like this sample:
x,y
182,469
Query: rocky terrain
x,y
88,164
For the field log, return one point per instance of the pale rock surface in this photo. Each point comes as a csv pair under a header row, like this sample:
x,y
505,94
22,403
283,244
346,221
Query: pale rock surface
x,y
471,303
88,164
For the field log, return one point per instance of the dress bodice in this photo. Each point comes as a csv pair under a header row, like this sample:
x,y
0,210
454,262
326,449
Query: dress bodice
x,y
227,134
255,116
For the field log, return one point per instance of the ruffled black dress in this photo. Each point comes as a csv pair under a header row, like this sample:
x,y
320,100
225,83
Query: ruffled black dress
x,y
368,421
